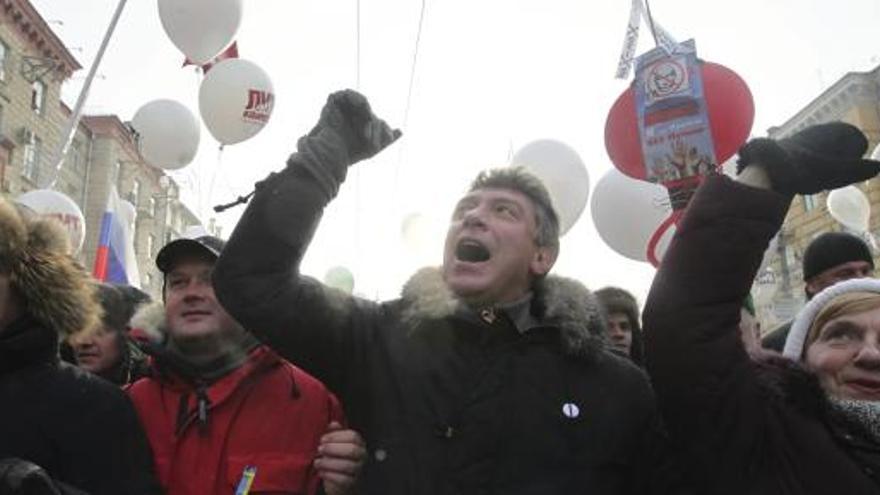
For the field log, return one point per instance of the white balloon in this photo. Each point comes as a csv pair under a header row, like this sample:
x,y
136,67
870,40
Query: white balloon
x,y
53,204
168,134
627,212
201,29
236,100
563,173
849,206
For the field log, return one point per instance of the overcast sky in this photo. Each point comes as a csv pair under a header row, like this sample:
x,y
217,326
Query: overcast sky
x,y
492,75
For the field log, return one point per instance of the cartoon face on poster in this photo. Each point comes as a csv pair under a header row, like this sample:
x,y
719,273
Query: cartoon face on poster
x,y
673,121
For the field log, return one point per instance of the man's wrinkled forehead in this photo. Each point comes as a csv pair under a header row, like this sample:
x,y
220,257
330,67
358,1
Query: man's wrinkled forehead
x,y
496,193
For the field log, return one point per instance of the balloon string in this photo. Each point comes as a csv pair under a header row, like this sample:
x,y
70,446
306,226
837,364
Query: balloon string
x,y
357,84
673,219
217,168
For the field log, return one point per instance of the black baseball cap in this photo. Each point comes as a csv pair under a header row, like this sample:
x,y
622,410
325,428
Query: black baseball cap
x,y
206,244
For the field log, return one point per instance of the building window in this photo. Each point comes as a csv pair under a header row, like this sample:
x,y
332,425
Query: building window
x,y
810,202
4,53
151,206
32,151
134,195
38,96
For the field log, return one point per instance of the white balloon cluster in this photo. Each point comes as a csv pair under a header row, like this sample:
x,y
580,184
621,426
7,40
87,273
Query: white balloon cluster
x,y
236,97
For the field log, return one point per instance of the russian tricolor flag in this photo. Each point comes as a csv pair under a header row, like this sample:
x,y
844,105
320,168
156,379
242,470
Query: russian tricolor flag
x,y
115,260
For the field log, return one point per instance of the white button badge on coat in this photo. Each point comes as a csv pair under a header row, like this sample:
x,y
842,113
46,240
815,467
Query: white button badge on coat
x,y
380,455
571,410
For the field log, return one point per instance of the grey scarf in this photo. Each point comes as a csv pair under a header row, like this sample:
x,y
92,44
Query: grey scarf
x,y
863,412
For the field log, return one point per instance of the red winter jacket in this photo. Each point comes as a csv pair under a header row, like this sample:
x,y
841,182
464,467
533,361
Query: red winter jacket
x,y
267,413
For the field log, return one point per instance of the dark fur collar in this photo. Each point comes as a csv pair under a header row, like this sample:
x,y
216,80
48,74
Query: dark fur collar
x,y
788,380
562,302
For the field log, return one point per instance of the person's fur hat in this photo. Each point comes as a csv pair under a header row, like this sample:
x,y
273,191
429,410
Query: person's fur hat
x,y
54,288
616,300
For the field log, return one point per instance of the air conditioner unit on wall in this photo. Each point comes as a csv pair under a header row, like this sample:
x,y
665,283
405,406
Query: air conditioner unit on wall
x,y
24,135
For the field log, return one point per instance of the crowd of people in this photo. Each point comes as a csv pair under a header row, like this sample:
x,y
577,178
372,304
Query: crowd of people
x,y
488,375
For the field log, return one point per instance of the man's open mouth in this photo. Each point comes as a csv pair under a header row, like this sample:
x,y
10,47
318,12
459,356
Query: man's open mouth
x,y
471,251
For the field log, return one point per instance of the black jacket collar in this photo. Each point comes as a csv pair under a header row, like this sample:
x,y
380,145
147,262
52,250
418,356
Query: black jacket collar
x,y
26,343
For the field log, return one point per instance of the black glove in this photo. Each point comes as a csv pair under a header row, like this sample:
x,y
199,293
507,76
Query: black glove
x,y
20,477
818,158
347,132
347,113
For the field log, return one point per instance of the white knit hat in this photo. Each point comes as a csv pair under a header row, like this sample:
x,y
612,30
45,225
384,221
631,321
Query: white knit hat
x,y
794,344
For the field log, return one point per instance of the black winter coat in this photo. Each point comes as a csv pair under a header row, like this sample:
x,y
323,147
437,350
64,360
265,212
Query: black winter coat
x,y
81,429
747,427
449,401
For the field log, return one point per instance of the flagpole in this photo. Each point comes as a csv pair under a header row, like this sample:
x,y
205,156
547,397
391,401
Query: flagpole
x,y
67,134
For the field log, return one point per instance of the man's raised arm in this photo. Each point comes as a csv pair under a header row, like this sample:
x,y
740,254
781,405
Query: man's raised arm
x,y
257,278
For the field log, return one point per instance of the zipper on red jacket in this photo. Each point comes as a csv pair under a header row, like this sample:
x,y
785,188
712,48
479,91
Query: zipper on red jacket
x,y
203,405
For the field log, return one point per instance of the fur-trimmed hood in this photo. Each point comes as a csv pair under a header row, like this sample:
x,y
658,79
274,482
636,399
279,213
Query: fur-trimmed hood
x,y
149,323
561,302
57,292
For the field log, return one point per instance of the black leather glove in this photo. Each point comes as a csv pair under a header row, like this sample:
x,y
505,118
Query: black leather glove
x,y
347,132
20,477
818,158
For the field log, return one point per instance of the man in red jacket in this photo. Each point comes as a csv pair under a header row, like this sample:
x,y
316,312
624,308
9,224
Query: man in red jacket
x,y
222,412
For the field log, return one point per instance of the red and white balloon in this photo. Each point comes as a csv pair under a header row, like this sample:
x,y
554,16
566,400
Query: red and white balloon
x,y
236,100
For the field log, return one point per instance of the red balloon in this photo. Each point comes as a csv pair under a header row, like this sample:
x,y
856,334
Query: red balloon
x,y
731,114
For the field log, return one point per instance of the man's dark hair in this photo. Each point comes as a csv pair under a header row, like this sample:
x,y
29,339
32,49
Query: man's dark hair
x,y
522,181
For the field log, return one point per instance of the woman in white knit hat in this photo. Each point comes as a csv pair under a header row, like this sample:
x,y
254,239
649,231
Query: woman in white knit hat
x,y
766,424
837,335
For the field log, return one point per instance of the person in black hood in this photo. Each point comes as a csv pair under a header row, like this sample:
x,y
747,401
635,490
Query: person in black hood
x,y
621,313
81,430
